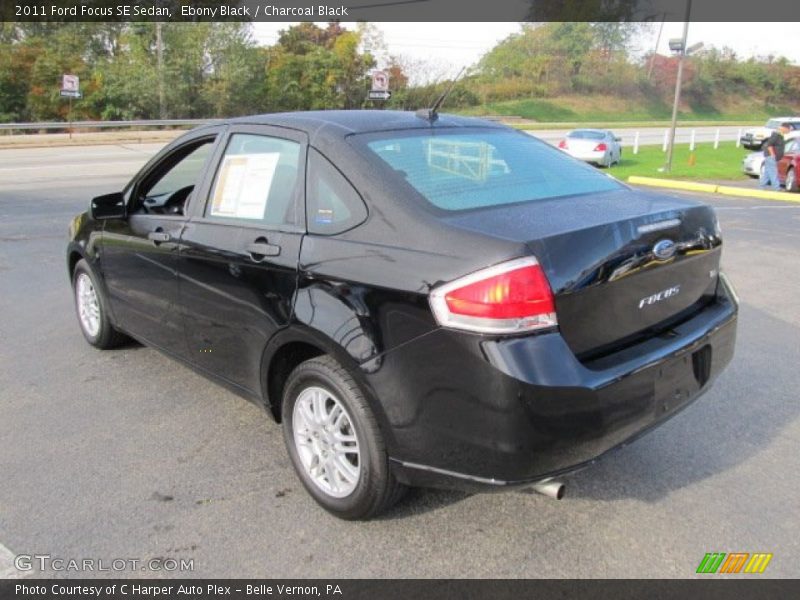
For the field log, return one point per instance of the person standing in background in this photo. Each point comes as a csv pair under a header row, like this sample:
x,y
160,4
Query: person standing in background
x,y
773,152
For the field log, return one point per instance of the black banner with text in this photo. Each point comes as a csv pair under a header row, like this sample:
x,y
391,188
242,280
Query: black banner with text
x,y
356,589
398,10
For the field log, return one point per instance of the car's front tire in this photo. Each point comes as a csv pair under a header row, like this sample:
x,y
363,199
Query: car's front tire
x,y
335,443
91,308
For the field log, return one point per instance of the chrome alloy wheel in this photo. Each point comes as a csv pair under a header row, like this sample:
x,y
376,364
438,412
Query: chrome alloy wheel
x,y
88,305
790,183
326,442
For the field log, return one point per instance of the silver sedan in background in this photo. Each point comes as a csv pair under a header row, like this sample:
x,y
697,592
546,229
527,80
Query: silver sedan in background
x,y
597,146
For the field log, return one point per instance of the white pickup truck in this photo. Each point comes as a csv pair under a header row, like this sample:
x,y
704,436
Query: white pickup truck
x,y
754,138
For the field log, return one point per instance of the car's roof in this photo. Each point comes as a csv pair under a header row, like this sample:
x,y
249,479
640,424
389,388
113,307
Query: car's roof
x,y
345,122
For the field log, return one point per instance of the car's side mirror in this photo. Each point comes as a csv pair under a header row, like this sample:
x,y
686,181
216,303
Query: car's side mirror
x,y
617,139
109,206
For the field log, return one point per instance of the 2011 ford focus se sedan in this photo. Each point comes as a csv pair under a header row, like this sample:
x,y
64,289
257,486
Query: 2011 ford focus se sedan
x,y
418,301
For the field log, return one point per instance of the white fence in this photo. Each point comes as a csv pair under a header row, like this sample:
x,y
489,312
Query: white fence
x,y
633,137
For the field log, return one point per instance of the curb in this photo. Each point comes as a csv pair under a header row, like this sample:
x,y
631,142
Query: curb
x,y
712,188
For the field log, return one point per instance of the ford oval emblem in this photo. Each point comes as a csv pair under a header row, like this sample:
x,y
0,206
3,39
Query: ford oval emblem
x,y
664,249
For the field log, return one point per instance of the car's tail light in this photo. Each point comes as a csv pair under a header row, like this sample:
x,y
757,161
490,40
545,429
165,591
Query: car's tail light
x,y
600,147
511,297
563,144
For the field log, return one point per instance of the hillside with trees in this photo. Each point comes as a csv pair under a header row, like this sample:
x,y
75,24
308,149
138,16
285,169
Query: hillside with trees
x,y
560,71
545,72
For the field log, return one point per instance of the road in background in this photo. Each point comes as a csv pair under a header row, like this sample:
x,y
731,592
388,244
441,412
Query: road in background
x,y
127,454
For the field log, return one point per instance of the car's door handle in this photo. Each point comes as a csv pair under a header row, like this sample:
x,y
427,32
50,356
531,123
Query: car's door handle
x,y
261,248
159,236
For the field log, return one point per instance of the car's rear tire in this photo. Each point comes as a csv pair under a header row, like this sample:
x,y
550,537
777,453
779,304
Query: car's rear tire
x,y
335,443
91,308
791,181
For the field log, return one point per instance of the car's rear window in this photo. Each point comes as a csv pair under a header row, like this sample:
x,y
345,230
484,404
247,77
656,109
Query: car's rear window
x,y
585,134
456,170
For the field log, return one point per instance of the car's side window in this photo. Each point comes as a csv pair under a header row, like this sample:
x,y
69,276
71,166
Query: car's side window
x,y
167,189
257,180
333,205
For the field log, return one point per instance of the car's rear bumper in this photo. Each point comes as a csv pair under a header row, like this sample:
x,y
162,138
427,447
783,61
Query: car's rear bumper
x,y
595,157
750,168
509,412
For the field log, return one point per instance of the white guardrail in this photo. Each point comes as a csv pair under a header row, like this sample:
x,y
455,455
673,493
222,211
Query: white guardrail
x,y
102,124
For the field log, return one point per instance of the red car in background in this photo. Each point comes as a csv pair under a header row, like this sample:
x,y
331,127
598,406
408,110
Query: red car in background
x,y
789,166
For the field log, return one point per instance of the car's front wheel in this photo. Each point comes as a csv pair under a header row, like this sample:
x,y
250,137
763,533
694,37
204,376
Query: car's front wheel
x,y
335,443
91,308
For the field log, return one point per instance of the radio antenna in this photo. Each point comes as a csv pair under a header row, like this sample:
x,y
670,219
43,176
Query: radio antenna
x,y
432,113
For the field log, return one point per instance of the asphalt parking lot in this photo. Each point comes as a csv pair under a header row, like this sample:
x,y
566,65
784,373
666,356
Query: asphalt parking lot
x,y
127,454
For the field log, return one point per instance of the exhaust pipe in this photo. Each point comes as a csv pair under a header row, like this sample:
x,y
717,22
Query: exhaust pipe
x,y
551,488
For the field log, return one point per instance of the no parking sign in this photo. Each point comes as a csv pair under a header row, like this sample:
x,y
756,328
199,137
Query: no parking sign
x,y
380,86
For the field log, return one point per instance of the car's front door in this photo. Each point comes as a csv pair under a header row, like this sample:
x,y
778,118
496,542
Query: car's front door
x,y
240,250
139,253
789,153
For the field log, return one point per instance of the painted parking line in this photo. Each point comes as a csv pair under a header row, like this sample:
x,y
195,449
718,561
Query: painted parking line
x,y
7,568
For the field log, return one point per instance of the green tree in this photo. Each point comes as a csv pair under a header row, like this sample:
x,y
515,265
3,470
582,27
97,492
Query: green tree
x,y
315,68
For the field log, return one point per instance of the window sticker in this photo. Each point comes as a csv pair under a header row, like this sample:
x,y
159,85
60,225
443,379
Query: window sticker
x,y
243,185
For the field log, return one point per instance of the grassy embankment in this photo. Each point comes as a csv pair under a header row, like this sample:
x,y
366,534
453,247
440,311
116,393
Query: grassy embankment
x,y
598,111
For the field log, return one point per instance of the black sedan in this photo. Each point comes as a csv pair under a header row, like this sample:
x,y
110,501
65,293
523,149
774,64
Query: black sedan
x,y
419,301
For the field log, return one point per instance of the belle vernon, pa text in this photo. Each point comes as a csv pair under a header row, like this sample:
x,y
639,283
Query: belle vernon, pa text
x,y
135,589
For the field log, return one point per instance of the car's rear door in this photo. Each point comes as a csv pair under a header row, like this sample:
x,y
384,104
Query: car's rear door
x,y
240,249
139,253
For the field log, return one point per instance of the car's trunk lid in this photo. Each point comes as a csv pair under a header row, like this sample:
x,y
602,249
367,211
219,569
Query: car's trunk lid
x,y
621,264
582,145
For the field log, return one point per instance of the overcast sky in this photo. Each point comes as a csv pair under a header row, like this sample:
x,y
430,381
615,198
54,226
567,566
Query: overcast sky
x,y
452,45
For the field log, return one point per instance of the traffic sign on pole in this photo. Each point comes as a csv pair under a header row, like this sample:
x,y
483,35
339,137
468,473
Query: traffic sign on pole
x,y
70,83
70,88
380,81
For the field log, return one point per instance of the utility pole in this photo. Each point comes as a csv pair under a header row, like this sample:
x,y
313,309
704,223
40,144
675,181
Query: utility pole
x,y
160,68
681,56
655,49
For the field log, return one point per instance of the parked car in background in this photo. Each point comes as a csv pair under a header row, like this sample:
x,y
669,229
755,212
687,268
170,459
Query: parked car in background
x,y
753,163
789,165
597,146
754,139
418,301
